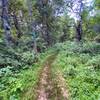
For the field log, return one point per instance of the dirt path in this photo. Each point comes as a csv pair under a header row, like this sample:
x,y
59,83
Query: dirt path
x,y
50,88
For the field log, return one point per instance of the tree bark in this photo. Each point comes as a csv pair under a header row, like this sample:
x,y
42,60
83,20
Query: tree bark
x,y
32,27
79,31
47,36
79,26
17,26
6,23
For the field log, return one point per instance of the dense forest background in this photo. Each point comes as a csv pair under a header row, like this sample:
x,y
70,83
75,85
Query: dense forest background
x,y
32,30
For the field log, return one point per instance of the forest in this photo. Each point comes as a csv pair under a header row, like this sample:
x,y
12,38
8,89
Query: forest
x,y
49,49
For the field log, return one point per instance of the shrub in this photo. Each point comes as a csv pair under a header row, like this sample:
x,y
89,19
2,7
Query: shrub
x,y
80,64
94,62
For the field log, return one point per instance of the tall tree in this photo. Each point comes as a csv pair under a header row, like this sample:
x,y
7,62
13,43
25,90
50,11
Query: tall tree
x,y
45,11
17,25
14,8
76,8
6,23
32,25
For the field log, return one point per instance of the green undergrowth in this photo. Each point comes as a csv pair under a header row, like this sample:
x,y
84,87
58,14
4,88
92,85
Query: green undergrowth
x,y
80,65
20,85
17,83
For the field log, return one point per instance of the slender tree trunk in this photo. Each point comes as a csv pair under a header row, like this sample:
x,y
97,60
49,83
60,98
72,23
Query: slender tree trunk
x,y
42,8
46,36
79,26
17,26
6,23
45,30
79,32
32,26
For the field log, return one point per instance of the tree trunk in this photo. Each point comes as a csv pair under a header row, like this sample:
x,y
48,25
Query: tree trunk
x,y
32,26
79,26
79,31
6,23
46,32
17,26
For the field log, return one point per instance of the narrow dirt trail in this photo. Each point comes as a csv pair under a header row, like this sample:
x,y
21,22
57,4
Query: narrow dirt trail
x,y
48,87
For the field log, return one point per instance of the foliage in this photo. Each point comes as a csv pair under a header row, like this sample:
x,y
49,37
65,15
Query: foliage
x,y
12,84
16,85
35,29
81,69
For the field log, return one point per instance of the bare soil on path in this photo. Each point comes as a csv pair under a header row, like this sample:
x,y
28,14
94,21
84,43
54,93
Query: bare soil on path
x,y
50,88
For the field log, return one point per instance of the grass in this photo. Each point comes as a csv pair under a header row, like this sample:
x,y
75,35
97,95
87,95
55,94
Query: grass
x,y
20,85
17,83
80,65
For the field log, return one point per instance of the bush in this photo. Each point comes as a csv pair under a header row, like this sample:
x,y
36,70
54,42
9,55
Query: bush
x,y
28,57
94,62
80,64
